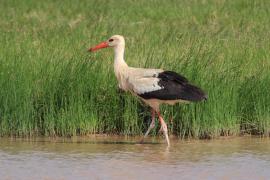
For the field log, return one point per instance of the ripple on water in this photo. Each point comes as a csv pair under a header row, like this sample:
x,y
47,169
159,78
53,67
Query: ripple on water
x,y
236,158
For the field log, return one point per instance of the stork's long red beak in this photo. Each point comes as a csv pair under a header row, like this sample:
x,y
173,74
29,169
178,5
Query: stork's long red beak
x,y
99,46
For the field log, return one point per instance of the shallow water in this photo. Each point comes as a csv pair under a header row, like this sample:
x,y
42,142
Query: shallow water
x,y
122,158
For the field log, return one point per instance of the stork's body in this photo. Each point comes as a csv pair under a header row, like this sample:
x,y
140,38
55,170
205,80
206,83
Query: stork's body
x,y
153,86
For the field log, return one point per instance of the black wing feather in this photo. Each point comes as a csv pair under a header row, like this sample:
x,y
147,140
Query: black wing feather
x,y
175,87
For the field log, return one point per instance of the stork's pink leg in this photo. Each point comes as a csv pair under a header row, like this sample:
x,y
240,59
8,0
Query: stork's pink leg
x,y
164,128
160,129
152,125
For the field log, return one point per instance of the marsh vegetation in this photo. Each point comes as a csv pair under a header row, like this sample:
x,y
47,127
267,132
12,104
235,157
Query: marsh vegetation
x,y
51,85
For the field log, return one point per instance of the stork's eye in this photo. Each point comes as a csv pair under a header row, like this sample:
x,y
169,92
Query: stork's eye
x,y
110,40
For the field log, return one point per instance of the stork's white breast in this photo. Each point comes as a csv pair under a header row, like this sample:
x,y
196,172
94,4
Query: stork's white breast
x,y
144,85
143,80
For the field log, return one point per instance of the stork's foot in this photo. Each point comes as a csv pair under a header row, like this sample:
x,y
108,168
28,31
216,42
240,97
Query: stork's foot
x,y
164,128
152,125
167,137
165,132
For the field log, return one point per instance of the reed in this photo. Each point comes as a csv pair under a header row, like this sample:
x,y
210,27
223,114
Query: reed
x,y
50,85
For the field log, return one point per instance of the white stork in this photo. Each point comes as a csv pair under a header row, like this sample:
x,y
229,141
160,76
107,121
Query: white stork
x,y
153,86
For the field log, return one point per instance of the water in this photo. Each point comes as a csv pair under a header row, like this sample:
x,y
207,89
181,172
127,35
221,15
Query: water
x,y
122,158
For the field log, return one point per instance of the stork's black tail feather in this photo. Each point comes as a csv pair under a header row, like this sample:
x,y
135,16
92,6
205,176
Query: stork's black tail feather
x,y
175,87
190,92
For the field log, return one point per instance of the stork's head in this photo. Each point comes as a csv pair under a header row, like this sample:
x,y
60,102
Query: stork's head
x,y
114,41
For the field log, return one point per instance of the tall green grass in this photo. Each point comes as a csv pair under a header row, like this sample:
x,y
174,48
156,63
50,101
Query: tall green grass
x,y
50,85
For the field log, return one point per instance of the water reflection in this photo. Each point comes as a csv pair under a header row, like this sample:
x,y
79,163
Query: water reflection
x,y
122,158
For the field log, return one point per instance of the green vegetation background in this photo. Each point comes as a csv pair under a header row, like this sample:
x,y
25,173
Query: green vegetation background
x,y
50,85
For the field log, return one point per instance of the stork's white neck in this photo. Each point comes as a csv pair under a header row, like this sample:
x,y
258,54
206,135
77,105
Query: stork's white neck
x,y
119,57
120,66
